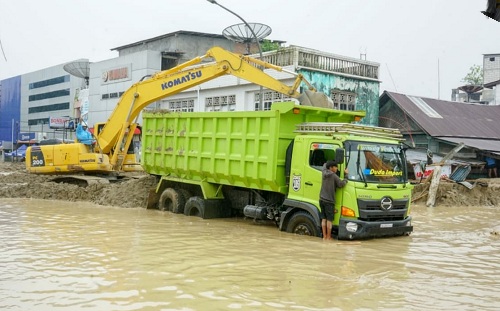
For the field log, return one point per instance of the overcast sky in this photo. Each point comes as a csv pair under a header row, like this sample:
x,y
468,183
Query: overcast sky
x,y
407,38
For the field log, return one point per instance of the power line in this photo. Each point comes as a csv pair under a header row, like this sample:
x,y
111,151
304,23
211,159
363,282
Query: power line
x,y
389,71
1,46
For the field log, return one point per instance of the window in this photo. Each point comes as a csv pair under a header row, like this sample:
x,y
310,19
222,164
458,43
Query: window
x,y
48,82
320,153
343,100
220,103
375,162
54,107
182,105
52,94
38,121
269,98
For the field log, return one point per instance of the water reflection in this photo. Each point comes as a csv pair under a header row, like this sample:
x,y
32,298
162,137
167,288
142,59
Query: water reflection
x,y
72,256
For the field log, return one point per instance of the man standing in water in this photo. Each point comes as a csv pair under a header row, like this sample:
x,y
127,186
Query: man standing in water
x,y
331,181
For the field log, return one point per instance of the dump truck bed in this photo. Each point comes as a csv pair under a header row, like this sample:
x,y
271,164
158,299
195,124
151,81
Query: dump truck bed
x,y
243,149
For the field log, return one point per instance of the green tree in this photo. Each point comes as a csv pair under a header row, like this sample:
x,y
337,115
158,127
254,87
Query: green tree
x,y
475,76
268,45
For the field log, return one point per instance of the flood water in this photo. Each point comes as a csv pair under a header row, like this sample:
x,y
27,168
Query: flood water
x,y
78,256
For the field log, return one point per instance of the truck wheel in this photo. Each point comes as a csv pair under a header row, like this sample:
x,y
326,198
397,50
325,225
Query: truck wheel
x,y
195,206
302,223
172,201
185,195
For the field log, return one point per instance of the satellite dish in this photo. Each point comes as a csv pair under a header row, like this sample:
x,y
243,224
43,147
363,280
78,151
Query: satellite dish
x,y
243,34
79,68
470,89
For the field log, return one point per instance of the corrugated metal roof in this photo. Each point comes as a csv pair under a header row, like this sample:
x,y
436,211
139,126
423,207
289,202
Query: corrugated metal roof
x,y
175,33
171,34
418,155
441,118
481,144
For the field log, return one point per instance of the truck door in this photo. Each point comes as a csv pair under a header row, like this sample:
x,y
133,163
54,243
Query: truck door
x,y
306,175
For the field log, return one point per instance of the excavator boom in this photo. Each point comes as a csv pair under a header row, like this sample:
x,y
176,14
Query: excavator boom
x,y
115,135
169,82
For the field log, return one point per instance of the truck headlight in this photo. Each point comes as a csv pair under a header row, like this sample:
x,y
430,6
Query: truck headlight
x,y
351,227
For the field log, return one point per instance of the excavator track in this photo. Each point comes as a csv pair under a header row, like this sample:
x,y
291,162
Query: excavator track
x,y
81,180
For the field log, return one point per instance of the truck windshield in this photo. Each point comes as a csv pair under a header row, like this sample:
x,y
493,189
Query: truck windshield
x,y
375,163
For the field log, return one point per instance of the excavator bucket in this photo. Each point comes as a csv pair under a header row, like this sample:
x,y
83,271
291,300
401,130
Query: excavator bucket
x,y
315,99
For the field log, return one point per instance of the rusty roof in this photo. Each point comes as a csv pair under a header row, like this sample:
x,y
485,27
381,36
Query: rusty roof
x,y
476,125
447,118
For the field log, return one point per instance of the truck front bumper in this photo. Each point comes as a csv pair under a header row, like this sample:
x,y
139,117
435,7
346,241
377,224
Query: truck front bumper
x,y
357,229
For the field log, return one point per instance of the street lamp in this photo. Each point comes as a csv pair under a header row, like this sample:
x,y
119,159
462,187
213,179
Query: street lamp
x,y
255,37
251,29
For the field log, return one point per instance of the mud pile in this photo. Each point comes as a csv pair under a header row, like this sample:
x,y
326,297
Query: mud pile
x,y
133,191
484,192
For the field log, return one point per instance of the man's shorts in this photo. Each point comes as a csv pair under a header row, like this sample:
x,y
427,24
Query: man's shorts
x,y
327,210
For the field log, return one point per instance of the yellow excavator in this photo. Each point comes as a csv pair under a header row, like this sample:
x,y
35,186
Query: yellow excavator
x,y
113,138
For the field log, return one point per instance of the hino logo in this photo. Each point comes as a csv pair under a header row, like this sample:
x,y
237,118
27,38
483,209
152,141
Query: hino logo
x,y
386,203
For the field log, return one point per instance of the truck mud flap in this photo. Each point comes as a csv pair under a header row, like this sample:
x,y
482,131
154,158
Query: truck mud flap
x,y
357,230
153,199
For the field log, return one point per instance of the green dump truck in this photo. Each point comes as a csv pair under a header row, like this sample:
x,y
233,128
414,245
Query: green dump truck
x,y
266,165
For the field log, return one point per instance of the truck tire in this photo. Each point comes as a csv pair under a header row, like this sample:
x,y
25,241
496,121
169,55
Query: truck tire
x,y
302,223
195,206
186,195
172,201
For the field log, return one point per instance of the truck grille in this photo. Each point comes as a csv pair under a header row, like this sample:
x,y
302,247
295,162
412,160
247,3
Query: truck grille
x,y
372,210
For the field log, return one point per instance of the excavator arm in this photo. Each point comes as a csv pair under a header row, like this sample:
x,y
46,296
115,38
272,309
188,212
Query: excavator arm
x,y
116,135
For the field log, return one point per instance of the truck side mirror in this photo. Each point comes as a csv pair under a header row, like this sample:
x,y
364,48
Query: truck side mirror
x,y
339,155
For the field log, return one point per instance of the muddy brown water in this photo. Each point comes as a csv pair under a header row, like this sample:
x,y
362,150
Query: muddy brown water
x,y
80,256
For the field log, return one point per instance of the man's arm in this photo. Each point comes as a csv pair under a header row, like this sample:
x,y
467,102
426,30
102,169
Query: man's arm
x,y
339,183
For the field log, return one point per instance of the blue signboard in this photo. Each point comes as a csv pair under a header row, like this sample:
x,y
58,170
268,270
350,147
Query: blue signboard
x,y
26,136
10,106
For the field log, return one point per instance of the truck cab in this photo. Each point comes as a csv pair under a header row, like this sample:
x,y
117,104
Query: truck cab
x,y
376,200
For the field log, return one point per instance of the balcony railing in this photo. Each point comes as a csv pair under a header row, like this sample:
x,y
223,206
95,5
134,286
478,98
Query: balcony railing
x,y
303,57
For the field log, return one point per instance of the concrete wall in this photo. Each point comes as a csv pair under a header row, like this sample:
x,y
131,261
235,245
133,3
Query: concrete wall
x,y
189,46
137,65
491,68
367,92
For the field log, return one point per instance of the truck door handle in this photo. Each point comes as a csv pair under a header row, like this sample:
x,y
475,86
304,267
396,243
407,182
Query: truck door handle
x,y
308,183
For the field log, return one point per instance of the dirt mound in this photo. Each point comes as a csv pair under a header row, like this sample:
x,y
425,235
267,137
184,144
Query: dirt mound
x,y
133,191
485,192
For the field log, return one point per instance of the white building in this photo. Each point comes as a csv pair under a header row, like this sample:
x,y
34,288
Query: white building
x,y
351,83
47,98
491,79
